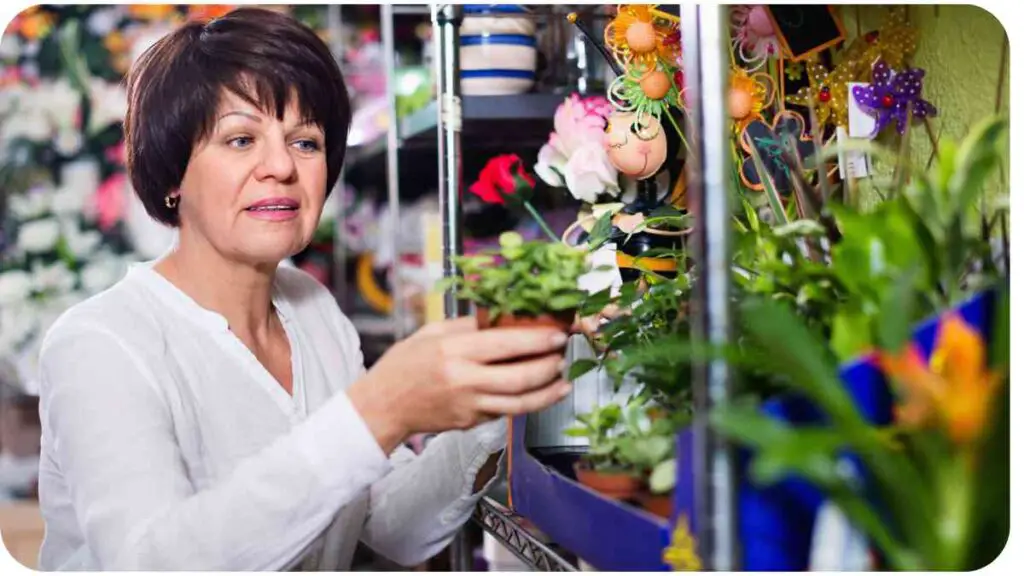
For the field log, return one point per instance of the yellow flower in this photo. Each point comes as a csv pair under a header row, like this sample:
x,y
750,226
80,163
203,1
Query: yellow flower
x,y
829,92
956,386
893,43
638,37
681,554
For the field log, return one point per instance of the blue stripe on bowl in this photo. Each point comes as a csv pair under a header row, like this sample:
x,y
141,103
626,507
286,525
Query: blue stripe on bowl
x,y
497,73
498,39
493,8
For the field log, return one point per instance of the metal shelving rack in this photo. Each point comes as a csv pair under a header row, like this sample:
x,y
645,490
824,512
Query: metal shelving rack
x,y
452,116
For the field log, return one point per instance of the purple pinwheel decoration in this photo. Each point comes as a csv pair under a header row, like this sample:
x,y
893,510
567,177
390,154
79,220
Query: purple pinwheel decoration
x,y
890,95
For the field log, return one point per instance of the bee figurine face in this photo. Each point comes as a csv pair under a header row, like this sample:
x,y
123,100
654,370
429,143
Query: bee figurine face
x,y
638,151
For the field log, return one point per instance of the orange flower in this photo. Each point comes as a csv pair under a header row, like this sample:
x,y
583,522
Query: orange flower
x,y
151,11
747,98
33,23
639,35
955,386
208,11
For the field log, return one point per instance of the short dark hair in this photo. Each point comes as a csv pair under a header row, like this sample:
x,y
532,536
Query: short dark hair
x,y
176,85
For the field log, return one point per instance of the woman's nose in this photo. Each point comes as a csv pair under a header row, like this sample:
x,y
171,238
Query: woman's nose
x,y
277,162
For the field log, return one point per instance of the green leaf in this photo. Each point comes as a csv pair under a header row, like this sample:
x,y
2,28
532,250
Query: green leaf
x,y
898,312
851,334
581,367
663,477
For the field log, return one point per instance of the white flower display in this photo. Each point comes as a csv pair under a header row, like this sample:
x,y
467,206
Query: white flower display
x,y
102,273
39,235
55,278
31,204
108,102
15,287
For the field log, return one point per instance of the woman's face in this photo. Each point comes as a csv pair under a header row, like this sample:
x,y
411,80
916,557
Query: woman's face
x,y
255,188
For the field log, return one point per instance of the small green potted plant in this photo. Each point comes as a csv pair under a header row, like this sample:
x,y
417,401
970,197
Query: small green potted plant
x,y
604,467
522,283
647,443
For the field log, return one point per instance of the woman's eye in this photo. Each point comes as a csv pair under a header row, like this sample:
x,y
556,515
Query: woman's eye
x,y
308,145
240,142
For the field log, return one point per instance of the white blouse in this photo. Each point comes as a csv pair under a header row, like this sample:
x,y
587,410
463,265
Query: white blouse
x,y
167,446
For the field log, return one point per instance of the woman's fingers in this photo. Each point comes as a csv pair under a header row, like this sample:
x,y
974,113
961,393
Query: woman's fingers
x,y
511,378
498,344
533,401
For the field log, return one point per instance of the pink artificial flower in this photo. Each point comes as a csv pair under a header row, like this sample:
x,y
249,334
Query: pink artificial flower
x,y
116,153
109,201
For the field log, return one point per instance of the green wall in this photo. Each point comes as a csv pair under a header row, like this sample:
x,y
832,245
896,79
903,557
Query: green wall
x,y
959,48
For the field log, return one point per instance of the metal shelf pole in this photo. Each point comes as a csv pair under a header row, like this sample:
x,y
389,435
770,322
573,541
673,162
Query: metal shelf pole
x,y
446,19
704,44
387,33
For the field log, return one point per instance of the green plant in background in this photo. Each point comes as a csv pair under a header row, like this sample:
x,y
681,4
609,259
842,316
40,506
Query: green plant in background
x,y
604,452
647,444
522,278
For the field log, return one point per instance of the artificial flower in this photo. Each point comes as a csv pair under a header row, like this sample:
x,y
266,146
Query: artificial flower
x,y
753,36
208,11
502,179
110,201
747,97
640,35
33,23
152,11
954,387
894,42
589,173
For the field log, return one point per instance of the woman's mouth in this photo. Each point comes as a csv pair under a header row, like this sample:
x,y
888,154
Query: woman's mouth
x,y
274,209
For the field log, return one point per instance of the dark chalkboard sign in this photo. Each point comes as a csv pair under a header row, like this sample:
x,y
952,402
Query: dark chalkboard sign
x,y
805,29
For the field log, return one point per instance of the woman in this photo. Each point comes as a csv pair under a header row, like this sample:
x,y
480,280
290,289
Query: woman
x,y
211,410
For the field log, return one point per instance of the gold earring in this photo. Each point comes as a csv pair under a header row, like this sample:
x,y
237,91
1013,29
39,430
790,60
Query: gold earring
x,y
171,201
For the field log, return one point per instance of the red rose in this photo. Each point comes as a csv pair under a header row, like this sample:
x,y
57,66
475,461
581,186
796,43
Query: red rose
x,y
503,177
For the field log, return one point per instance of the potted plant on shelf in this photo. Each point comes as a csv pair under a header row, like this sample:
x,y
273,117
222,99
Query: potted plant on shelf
x,y
647,442
604,468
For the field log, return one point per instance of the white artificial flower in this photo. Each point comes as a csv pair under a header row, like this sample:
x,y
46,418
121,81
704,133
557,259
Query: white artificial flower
x,y
39,235
30,49
102,273
590,173
551,165
68,141
15,287
17,323
80,243
108,102
79,181
103,21
10,46
33,203
54,278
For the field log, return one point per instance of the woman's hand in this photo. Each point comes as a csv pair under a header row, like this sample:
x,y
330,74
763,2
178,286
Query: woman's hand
x,y
451,375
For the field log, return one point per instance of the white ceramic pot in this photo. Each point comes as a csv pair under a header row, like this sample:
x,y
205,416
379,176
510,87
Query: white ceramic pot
x,y
497,52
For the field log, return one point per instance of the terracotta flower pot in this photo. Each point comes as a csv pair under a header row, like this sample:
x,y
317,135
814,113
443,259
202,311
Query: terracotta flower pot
x,y
658,504
617,485
561,320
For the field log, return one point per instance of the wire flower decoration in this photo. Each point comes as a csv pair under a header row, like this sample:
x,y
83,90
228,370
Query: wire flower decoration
x,y
749,95
640,36
894,42
753,36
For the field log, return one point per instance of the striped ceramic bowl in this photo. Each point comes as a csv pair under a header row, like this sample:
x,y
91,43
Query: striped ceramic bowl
x,y
497,52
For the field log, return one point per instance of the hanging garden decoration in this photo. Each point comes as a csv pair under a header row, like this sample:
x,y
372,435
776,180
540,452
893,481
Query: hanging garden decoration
x,y
640,36
770,142
753,36
894,96
749,95
829,91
